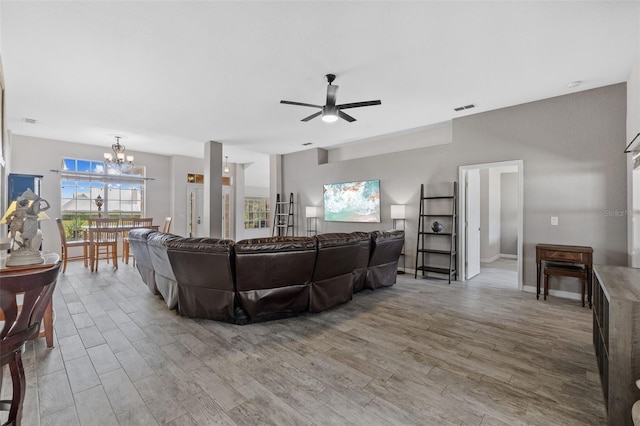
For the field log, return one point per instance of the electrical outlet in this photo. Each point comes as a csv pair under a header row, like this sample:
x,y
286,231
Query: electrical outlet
x,y
554,220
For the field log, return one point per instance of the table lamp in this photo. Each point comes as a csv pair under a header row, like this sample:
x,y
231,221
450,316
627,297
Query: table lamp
x,y
22,216
397,214
311,212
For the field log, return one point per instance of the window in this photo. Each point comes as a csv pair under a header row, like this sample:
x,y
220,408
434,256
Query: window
x,y
256,213
83,181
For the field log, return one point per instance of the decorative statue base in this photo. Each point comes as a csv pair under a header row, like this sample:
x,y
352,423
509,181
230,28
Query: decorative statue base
x,y
25,256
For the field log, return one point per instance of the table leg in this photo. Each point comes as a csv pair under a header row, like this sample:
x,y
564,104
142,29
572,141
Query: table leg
x,y
538,280
48,324
589,284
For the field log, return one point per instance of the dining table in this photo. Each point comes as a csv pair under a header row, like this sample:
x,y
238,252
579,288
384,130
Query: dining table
x,y
87,232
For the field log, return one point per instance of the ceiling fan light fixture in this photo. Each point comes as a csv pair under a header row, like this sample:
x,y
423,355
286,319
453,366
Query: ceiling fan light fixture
x,y
329,114
329,118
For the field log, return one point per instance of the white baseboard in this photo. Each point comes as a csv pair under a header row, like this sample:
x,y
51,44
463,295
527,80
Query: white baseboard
x,y
491,259
556,293
499,256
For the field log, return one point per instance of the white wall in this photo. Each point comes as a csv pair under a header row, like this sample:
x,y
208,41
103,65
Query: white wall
x,y
633,179
573,169
509,214
489,214
165,192
39,156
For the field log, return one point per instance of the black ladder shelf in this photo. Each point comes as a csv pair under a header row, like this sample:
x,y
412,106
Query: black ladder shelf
x,y
283,217
433,248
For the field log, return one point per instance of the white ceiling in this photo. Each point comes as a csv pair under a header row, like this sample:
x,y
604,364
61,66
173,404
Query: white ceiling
x,y
173,75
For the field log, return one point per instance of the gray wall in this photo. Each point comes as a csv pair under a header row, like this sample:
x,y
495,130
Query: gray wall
x,y
39,156
509,213
573,169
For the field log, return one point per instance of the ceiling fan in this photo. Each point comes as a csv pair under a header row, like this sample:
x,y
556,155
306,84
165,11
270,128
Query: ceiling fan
x,y
330,112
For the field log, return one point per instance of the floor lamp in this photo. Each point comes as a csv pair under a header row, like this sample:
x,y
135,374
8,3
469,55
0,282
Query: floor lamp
x,y
398,216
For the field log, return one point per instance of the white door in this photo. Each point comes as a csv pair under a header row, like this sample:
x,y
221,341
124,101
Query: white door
x,y
195,210
472,220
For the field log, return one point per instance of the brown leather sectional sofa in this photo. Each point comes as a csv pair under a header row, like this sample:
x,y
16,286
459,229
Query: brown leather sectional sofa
x,y
264,278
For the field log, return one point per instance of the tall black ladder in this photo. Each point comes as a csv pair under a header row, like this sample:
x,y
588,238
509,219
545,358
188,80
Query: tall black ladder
x,y
436,245
283,217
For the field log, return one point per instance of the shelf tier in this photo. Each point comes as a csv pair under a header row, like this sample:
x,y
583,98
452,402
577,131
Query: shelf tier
x,y
444,197
444,271
447,252
438,215
434,233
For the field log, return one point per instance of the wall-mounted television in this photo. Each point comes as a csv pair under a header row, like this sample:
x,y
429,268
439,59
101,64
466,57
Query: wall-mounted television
x,y
352,201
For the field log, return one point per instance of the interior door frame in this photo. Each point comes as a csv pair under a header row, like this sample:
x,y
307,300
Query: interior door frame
x,y
467,218
462,256
191,187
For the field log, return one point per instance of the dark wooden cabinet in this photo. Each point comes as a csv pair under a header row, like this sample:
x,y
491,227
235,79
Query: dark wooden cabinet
x,y
616,338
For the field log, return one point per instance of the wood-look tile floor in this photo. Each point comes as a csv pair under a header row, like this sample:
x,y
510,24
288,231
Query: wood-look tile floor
x,y
419,353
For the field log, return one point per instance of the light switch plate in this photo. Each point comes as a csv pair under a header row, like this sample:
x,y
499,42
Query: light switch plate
x,y
554,220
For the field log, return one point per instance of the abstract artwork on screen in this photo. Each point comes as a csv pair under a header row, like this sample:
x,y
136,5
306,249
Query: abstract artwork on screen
x,y
352,201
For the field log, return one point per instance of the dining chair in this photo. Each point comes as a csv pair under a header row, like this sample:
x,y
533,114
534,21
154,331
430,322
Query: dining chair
x,y
20,325
65,245
126,224
167,224
135,222
103,235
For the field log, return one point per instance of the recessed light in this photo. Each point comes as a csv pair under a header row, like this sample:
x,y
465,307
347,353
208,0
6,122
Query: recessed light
x,y
30,120
574,84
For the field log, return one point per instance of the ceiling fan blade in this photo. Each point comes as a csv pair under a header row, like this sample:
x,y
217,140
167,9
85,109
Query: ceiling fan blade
x,y
312,116
331,94
359,104
347,117
300,104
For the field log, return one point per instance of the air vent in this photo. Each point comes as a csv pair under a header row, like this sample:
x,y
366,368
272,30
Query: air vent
x,y
307,143
30,120
462,108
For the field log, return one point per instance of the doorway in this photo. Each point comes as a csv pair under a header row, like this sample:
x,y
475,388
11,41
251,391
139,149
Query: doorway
x,y
195,210
491,224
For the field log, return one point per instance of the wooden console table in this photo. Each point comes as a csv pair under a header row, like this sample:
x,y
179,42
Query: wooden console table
x,y
569,255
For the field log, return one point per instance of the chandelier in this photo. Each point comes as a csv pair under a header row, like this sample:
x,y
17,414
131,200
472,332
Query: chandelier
x,y
119,159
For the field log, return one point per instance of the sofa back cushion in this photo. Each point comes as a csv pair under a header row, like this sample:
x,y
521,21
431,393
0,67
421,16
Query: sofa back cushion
x,y
204,271
362,260
273,275
165,279
140,251
386,247
332,282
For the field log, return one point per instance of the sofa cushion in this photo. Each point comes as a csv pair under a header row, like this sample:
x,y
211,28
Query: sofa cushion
x,y
362,260
273,275
140,251
204,271
332,281
386,247
165,279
